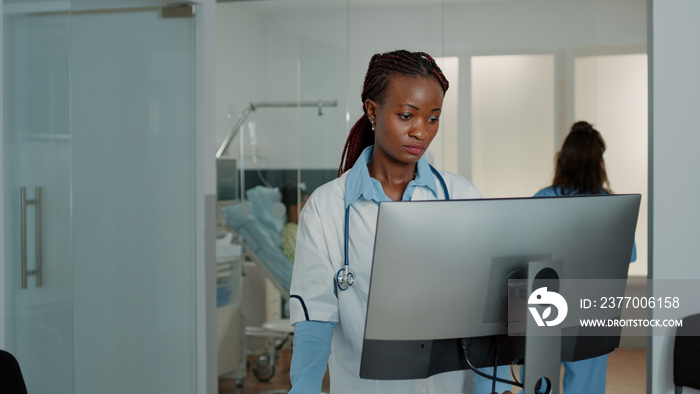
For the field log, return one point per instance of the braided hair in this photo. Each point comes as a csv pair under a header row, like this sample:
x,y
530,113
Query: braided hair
x,y
379,73
580,168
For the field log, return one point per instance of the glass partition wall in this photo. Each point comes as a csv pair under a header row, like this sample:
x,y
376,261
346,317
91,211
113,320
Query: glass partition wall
x,y
291,68
521,73
98,155
532,70
281,108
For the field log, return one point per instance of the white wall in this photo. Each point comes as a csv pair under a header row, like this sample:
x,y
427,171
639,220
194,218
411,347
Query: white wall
x,y
443,152
499,25
611,93
675,212
236,57
272,33
512,124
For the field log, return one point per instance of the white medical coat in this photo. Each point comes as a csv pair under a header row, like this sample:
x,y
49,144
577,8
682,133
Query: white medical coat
x,y
319,256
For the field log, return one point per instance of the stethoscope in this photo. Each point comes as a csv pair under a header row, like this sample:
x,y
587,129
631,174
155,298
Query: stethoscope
x,y
345,278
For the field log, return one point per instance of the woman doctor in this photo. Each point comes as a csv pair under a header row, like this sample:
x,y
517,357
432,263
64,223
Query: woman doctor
x,y
382,161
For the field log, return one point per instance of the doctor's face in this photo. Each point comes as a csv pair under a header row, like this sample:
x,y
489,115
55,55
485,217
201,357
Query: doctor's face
x,y
407,120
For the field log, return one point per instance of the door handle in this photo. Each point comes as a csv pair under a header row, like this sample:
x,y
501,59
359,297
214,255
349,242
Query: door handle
x,y
24,202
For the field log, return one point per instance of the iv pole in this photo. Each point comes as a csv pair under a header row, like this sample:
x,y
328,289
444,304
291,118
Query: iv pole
x,y
244,115
280,104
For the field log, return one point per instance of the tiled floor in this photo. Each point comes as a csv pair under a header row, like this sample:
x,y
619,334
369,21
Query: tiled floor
x,y
626,375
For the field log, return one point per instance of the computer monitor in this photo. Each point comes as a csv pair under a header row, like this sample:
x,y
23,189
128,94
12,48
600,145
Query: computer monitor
x,y
227,188
440,270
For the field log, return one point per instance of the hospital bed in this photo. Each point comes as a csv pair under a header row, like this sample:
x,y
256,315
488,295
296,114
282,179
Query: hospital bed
x,y
259,221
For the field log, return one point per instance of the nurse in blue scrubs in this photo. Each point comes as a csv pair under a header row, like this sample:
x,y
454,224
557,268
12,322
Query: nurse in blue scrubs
x,y
580,169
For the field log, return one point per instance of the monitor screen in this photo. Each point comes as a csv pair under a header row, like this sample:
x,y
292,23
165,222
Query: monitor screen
x,y
226,179
440,272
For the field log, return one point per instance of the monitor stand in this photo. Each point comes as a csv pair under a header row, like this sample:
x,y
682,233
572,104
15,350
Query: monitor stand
x,y
542,350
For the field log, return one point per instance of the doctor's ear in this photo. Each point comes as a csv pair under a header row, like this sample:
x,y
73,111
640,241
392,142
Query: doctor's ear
x,y
371,110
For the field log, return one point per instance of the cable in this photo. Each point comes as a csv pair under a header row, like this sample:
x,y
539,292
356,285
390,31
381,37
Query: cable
x,y
465,351
512,373
262,178
495,370
278,347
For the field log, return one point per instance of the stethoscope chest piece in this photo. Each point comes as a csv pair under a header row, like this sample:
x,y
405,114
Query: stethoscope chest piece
x,y
344,278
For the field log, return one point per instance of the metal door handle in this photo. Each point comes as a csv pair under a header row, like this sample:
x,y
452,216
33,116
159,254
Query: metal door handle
x,y
24,202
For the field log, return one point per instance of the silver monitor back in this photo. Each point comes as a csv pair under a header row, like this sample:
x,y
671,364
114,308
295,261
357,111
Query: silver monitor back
x,y
439,266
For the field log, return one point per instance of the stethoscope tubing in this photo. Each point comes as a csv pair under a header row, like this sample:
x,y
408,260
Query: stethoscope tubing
x,y
344,278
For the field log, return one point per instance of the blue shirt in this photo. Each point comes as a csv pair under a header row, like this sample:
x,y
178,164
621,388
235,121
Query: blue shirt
x,y
312,339
361,185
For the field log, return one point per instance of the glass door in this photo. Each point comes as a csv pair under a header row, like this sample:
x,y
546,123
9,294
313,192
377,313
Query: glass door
x,y
36,176
99,132
132,124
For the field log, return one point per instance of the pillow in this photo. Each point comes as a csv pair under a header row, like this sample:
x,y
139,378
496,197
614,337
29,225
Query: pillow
x,y
258,238
267,207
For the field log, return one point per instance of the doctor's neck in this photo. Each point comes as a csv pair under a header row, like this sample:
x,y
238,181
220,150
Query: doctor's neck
x,y
392,174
